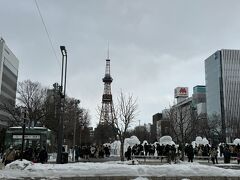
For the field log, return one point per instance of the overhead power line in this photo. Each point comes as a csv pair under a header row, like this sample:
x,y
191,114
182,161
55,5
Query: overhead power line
x,y
48,35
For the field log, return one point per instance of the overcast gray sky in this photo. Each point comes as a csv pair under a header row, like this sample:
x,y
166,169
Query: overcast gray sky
x,y
155,45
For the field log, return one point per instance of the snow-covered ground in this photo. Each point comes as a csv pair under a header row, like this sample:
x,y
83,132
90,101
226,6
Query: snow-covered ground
x,y
21,169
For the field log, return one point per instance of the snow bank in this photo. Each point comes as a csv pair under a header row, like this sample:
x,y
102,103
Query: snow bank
x,y
183,169
140,178
19,164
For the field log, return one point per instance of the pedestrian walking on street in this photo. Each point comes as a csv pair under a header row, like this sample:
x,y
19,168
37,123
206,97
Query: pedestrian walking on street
x,y
43,156
213,155
9,155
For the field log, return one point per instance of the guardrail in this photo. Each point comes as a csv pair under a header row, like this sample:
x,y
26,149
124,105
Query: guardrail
x,y
208,158
149,157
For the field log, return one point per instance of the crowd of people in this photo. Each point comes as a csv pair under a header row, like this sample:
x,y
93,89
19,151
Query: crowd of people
x,y
31,154
172,153
94,151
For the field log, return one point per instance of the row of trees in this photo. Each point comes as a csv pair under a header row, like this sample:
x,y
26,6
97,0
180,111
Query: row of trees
x,y
41,105
186,124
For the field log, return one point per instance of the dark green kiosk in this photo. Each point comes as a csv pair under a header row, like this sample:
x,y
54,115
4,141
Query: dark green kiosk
x,y
34,137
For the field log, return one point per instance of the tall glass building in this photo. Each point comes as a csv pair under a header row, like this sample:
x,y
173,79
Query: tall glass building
x,y
222,70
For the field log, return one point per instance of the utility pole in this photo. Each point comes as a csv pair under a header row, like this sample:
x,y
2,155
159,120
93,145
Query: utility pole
x,y
23,130
74,129
62,93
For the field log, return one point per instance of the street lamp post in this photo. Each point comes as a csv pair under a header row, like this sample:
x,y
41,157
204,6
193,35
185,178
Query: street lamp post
x,y
62,93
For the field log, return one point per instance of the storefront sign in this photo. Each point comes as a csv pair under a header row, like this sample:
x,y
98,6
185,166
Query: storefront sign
x,y
26,137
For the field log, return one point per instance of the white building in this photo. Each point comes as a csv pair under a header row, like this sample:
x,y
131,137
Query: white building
x,y
8,79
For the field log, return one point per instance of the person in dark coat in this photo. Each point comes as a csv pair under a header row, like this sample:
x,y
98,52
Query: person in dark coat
x,y
190,153
129,153
221,150
227,154
43,156
173,153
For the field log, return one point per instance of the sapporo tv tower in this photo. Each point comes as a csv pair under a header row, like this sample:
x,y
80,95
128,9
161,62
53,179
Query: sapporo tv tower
x,y
107,115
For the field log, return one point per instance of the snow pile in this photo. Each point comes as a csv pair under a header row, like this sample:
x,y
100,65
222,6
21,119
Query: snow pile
x,y
144,142
205,141
106,144
236,141
166,140
200,141
140,178
183,170
19,164
115,148
131,141
116,145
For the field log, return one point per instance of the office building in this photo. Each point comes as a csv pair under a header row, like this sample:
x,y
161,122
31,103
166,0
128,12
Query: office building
x,y
199,99
222,70
8,80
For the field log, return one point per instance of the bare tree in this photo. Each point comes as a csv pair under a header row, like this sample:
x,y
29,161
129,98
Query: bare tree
x,y
76,120
13,114
215,130
200,124
126,111
32,95
181,125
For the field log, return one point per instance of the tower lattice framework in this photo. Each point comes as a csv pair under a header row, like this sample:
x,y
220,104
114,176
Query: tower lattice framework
x,y
107,115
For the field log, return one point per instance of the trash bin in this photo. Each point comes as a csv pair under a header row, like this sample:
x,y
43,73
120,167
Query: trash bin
x,y
64,157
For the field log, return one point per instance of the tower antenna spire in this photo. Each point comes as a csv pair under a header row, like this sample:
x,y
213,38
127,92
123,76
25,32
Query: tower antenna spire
x,y
108,51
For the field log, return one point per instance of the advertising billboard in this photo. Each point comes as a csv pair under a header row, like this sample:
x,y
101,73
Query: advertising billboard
x,y
181,92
